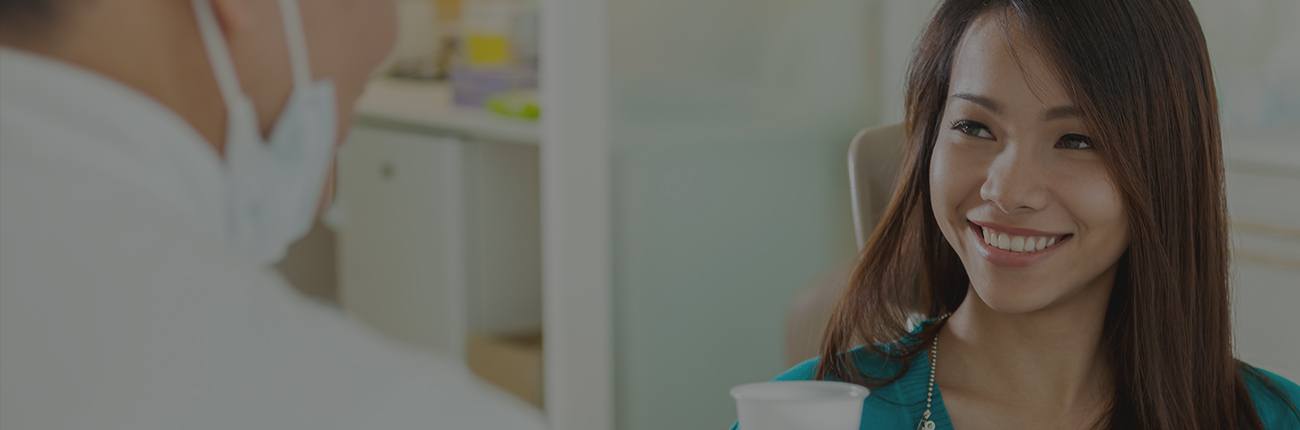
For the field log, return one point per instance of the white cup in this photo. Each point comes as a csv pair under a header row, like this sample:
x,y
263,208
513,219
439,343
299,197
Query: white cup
x,y
799,405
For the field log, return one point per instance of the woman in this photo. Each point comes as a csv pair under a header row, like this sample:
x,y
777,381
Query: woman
x,y
1055,254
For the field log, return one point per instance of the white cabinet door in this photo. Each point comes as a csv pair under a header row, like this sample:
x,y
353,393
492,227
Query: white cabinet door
x,y
401,239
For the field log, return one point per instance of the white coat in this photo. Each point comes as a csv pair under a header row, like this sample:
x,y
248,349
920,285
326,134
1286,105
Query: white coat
x,y
122,308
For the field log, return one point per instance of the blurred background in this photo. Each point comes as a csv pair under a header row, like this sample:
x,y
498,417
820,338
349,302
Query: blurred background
x,y
618,209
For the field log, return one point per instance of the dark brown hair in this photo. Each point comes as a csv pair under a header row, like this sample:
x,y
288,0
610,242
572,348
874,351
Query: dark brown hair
x,y
26,17
25,8
1140,74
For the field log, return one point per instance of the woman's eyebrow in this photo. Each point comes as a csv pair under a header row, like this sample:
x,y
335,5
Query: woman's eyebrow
x,y
1055,113
1061,112
988,103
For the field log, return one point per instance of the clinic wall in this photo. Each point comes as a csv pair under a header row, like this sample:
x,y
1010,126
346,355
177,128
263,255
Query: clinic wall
x,y
1255,49
730,121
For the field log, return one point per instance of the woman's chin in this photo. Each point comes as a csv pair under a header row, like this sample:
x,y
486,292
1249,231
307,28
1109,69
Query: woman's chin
x,y
1016,298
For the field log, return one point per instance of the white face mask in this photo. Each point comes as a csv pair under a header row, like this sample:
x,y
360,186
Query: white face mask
x,y
273,186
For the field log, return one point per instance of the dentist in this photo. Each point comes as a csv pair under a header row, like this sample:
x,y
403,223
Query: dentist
x,y
156,156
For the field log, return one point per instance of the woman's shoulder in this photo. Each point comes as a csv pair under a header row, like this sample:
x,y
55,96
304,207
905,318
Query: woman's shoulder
x,y
804,371
1277,399
885,361
880,361
866,361
893,404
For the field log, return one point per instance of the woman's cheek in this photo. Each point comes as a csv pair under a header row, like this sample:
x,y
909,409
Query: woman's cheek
x,y
1096,202
957,173
954,176
940,176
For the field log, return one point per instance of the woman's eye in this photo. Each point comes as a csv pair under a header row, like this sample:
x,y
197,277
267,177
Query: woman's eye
x,y
1074,141
972,128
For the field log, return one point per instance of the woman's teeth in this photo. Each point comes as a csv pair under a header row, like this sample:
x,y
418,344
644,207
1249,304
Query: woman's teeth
x,y
1017,243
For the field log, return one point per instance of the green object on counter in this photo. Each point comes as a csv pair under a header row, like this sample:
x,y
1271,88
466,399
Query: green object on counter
x,y
516,104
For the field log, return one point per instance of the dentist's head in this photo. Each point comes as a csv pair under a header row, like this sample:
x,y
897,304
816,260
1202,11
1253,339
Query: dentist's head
x,y
268,84
155,46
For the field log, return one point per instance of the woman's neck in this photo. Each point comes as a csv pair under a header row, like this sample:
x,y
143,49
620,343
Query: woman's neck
x,y
1048,361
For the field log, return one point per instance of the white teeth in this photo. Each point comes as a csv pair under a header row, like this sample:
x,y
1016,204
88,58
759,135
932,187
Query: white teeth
x,y
1017,243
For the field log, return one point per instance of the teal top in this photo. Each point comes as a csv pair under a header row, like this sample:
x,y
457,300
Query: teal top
x,y
899,405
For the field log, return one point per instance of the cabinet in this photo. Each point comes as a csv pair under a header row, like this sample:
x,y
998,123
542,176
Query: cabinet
x,y
401,243
439,240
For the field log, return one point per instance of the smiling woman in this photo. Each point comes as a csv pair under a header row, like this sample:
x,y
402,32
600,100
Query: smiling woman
x,y
1059,227
1013,166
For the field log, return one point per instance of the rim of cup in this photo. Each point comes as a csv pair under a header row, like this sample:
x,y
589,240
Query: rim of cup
x,y
798,391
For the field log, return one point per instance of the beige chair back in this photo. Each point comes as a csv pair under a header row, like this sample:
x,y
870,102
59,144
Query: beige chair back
x,y
874,156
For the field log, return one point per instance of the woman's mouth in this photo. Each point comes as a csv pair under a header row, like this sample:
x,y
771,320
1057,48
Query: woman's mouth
x,y
1009,246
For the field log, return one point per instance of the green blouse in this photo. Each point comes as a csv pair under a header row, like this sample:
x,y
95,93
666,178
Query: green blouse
x,y
899,405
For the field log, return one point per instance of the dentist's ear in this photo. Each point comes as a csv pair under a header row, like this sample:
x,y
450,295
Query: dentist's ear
x,y
255,35
233,15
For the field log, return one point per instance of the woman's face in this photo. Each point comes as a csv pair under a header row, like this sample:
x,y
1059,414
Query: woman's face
x,y
1016,188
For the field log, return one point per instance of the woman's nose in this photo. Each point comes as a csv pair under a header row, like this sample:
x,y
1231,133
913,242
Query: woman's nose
x,y
1015,182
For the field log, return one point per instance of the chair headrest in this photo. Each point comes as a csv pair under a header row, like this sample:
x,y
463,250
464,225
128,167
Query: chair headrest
x,y
874,156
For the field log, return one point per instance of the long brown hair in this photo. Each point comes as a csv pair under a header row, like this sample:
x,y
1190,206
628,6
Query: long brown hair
x,y
1140,73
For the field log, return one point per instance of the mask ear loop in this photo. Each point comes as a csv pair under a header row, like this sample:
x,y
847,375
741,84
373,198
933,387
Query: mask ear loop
x,y
295,37
218,53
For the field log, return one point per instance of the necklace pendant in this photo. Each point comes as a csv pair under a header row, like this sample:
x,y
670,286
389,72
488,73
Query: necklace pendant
x,y
926,425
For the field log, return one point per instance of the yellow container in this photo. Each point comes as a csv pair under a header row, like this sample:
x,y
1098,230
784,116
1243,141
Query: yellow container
x,y
487,49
